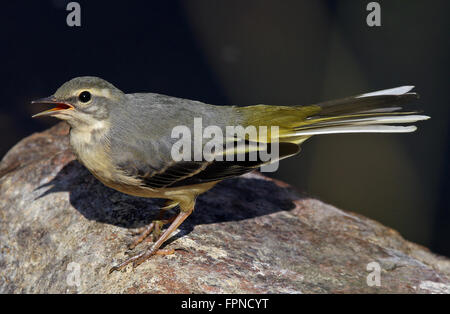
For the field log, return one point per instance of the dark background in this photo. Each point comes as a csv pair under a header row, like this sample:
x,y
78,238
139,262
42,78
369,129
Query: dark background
x,y
251,52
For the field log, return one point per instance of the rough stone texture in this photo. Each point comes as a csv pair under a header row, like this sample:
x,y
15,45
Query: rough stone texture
x,y
247,235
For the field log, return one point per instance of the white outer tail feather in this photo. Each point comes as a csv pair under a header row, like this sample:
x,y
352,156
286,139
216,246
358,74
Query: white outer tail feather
x,y
392,91
359,129
385,119
371,124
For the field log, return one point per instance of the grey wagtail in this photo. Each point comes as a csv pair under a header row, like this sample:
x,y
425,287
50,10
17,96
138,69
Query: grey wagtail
x,y
126,140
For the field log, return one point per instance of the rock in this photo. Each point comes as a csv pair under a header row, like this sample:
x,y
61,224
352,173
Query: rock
x,y
61,230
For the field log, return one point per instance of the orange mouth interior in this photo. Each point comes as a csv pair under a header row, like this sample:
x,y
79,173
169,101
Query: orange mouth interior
x,y
61,106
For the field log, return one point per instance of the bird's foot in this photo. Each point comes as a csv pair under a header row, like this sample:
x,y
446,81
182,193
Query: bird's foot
x,y
141,257
154,228
154,249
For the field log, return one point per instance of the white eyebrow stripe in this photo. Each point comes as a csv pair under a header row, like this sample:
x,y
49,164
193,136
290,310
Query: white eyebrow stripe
x,y
104,92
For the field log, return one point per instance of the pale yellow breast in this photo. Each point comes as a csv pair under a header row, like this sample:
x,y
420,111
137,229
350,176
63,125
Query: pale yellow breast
x,y
91,146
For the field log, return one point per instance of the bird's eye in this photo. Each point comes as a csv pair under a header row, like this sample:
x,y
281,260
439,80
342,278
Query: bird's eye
x,y
84,96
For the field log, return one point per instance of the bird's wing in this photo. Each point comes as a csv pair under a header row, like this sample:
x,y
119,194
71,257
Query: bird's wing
x,y
184,173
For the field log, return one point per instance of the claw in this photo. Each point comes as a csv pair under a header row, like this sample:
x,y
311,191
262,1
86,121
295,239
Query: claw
x,y
124,263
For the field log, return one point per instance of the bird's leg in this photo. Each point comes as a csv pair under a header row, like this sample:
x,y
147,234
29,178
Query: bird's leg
x,y
154,249
154,226
158,225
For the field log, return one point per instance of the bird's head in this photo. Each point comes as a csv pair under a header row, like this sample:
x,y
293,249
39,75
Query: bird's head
x,y
82,101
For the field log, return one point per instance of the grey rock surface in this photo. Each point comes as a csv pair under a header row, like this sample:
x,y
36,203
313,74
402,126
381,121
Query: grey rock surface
x,y
61,230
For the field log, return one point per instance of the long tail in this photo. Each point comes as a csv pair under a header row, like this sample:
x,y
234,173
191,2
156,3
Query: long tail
x,y
367,113
376,112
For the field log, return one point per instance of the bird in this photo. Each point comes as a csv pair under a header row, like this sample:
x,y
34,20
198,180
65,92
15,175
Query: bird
x,y
127,140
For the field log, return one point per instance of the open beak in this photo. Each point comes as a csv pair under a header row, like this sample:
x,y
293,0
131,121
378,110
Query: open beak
x,y
60,106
